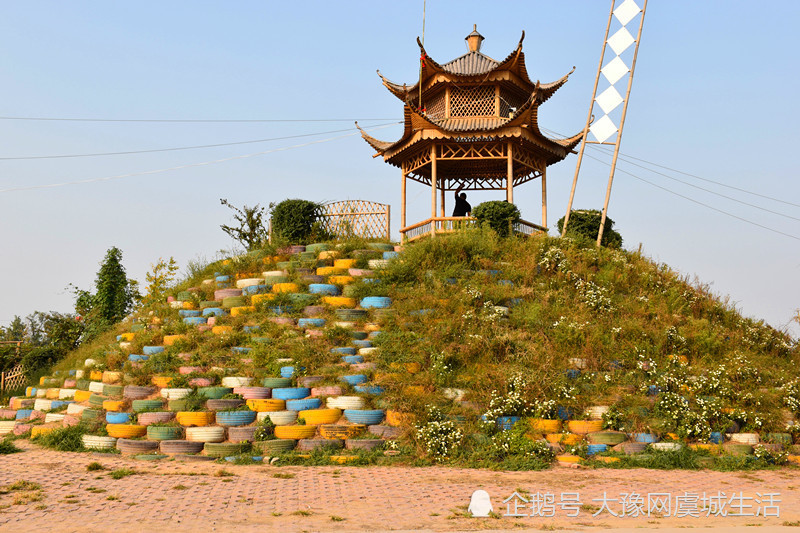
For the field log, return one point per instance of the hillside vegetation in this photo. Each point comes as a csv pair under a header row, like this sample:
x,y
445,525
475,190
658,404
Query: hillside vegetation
x,y
489,344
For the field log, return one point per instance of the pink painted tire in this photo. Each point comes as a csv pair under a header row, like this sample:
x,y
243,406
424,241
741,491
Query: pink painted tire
x,y
156,417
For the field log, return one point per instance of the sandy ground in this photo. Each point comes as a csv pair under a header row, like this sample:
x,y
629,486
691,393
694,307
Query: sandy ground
x,y
193,496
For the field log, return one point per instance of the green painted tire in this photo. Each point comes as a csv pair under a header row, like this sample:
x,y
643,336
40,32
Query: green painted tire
x,y
223,449
164,432
146,405
214,393
82,384
96,400
114,391
91,414
276,383
275,446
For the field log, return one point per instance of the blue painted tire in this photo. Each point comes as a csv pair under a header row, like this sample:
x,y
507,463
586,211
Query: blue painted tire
x,y
23,414
362,344
593,449
344,350
235,418
716,437
647,438
117,418
303,405
240,349
358,335
152,350
363,416
188,312
311,322
194,320
573,373
251,329
222,279
374,334
374,390
323,288
57,404
138,358
390,255
256,289
353,359
214,311
290,393
354,379
288,371
506,422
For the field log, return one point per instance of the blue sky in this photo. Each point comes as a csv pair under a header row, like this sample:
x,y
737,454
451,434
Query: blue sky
x,y
714,95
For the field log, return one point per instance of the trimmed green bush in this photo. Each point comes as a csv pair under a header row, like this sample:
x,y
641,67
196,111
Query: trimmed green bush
x,y
295,220
585,223
498,215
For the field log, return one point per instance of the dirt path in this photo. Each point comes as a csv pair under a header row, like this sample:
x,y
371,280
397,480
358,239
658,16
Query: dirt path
x,y
193,496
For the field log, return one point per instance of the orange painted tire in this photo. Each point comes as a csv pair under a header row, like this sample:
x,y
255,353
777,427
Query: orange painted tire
x,y
398,419
295,432
285,287
95,375
339,301
126,431
189,419
331,271
582,427
52,394
344,263
339,431
222,330
82,395
266,405
544,425
127,337
568,459
316,417
259,298
341,280
113,405
567,439
161,381
169,340
242,310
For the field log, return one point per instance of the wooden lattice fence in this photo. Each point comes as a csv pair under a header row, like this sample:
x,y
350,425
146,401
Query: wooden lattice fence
x,y
13,379
357,218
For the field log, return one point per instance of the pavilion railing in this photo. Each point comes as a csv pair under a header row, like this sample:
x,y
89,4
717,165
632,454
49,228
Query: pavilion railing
x,y
438,225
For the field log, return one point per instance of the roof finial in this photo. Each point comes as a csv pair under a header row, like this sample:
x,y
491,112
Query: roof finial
x,y
474,39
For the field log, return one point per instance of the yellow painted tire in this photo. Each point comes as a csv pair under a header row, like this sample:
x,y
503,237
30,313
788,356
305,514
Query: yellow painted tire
x,y
127,337
82,395
339,431
607,459
96,375
295,432
189,419
398,419
169,340
242,310
331,271
222,330
161,381
316,417
339,301
582,427
259,298
267,405
344,264
328,254
341,280
52,394
544,425
41,430
126,431
568,439
568,459
113,405
285,287
341,459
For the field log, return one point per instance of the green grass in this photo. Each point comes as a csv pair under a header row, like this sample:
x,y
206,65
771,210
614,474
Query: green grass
x,y
121,473
66,439
7,446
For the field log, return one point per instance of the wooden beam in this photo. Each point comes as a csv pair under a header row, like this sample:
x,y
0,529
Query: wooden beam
x,y
544,196
441,200
403,205
510,174
433,189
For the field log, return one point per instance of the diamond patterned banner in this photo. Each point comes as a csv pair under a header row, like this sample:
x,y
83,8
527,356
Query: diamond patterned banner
x,y
626,11
615,70
603,129
608,100
620,41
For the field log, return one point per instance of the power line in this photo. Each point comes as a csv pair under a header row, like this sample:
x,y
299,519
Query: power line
x,y
78,119
710,191
191,165
181,147
624,156
699,202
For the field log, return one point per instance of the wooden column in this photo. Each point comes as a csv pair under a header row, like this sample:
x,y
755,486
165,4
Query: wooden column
x,y
510,174
544,196
433,190
403,206
441,200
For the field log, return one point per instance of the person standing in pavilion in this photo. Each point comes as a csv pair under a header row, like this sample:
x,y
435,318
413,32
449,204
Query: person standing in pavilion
x,y
462,207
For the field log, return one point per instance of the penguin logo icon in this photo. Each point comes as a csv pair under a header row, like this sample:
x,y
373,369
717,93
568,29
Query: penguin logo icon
x,y
480,505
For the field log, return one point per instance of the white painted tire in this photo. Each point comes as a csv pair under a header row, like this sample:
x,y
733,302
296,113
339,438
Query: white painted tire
x,y
236,381
41,393
96,387
249,282
176,305
94,442
596,412
279,418
372,350
375,264
7,426
66,394
79,374
89,363
666,446
53,417
745,438
345,402
175,394
75,409
42,405
205,434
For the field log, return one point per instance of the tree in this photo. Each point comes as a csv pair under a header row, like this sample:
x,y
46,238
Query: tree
x,y
15,331
116,295
297,220
250,230
585,223
159,279
498,215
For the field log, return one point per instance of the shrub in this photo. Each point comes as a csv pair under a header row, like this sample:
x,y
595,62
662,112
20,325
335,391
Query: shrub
x,y
586,224
295,220
250,230
68,439
498,215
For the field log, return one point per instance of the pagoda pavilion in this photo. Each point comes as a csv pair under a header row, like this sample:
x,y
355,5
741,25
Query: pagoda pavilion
x,y
472,123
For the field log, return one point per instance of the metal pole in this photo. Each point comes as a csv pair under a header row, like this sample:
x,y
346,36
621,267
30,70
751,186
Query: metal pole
x,y
619,132
588,120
